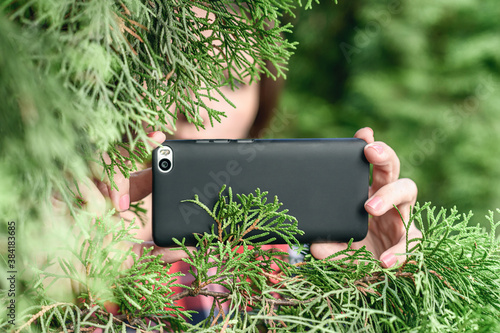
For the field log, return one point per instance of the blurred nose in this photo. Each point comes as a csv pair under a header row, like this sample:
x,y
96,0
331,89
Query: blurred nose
x,y
181,117
196,102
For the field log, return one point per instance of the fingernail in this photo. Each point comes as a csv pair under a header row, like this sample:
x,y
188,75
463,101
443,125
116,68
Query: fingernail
x,y
124,202
375,203
152,134
377,148
388,260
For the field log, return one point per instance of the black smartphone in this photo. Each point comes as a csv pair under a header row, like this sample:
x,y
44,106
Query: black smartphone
x,y
322,182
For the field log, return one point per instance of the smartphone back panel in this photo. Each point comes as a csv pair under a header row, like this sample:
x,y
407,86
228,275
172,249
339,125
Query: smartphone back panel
x,y
322,182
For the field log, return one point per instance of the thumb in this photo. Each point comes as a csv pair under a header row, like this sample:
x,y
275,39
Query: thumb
x,y
324,250
141,184
395,255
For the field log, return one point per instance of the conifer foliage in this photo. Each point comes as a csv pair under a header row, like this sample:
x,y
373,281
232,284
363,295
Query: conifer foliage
x,y
79,82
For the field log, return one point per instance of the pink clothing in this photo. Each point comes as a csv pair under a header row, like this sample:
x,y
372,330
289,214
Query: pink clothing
x,y
203,304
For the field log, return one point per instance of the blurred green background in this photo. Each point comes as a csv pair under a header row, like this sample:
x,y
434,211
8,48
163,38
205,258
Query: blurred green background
x,y
424,75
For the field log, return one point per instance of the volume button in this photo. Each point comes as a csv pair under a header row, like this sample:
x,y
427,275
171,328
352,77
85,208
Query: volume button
x,y
221,141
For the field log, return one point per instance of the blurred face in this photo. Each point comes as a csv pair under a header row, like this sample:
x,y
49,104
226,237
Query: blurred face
x,y
238,120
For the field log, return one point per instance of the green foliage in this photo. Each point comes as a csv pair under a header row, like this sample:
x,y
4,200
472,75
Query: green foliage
x,y
234,247
80,79
145,290
449,282
251,213
81,76
92,257
423,75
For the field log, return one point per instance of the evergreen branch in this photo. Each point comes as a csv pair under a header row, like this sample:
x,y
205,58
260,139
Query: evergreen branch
x,y
348,293
44,309
122,321
124,63
376,299
80,76
139,211
226,295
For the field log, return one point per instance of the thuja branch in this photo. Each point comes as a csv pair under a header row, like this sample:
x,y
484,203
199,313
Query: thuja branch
x,y
44,309
254,299
446,275
453,279
98,73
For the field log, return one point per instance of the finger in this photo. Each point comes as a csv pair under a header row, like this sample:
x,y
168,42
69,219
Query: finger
x,y
385,164
157,139
141,184
366,134
131,189
112,307
324,250
401,193
396,255
120,196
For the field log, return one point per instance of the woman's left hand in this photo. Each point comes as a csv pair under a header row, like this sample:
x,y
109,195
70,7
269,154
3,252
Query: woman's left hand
x,y
386,237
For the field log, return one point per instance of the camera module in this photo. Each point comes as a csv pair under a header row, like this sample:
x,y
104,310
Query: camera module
x,y
165,164
165,159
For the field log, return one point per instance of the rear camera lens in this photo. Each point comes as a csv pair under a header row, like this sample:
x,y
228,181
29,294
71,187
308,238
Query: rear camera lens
x,y
165,164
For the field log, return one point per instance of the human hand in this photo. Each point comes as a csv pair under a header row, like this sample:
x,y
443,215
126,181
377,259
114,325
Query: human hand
x,y
132,189
386,237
